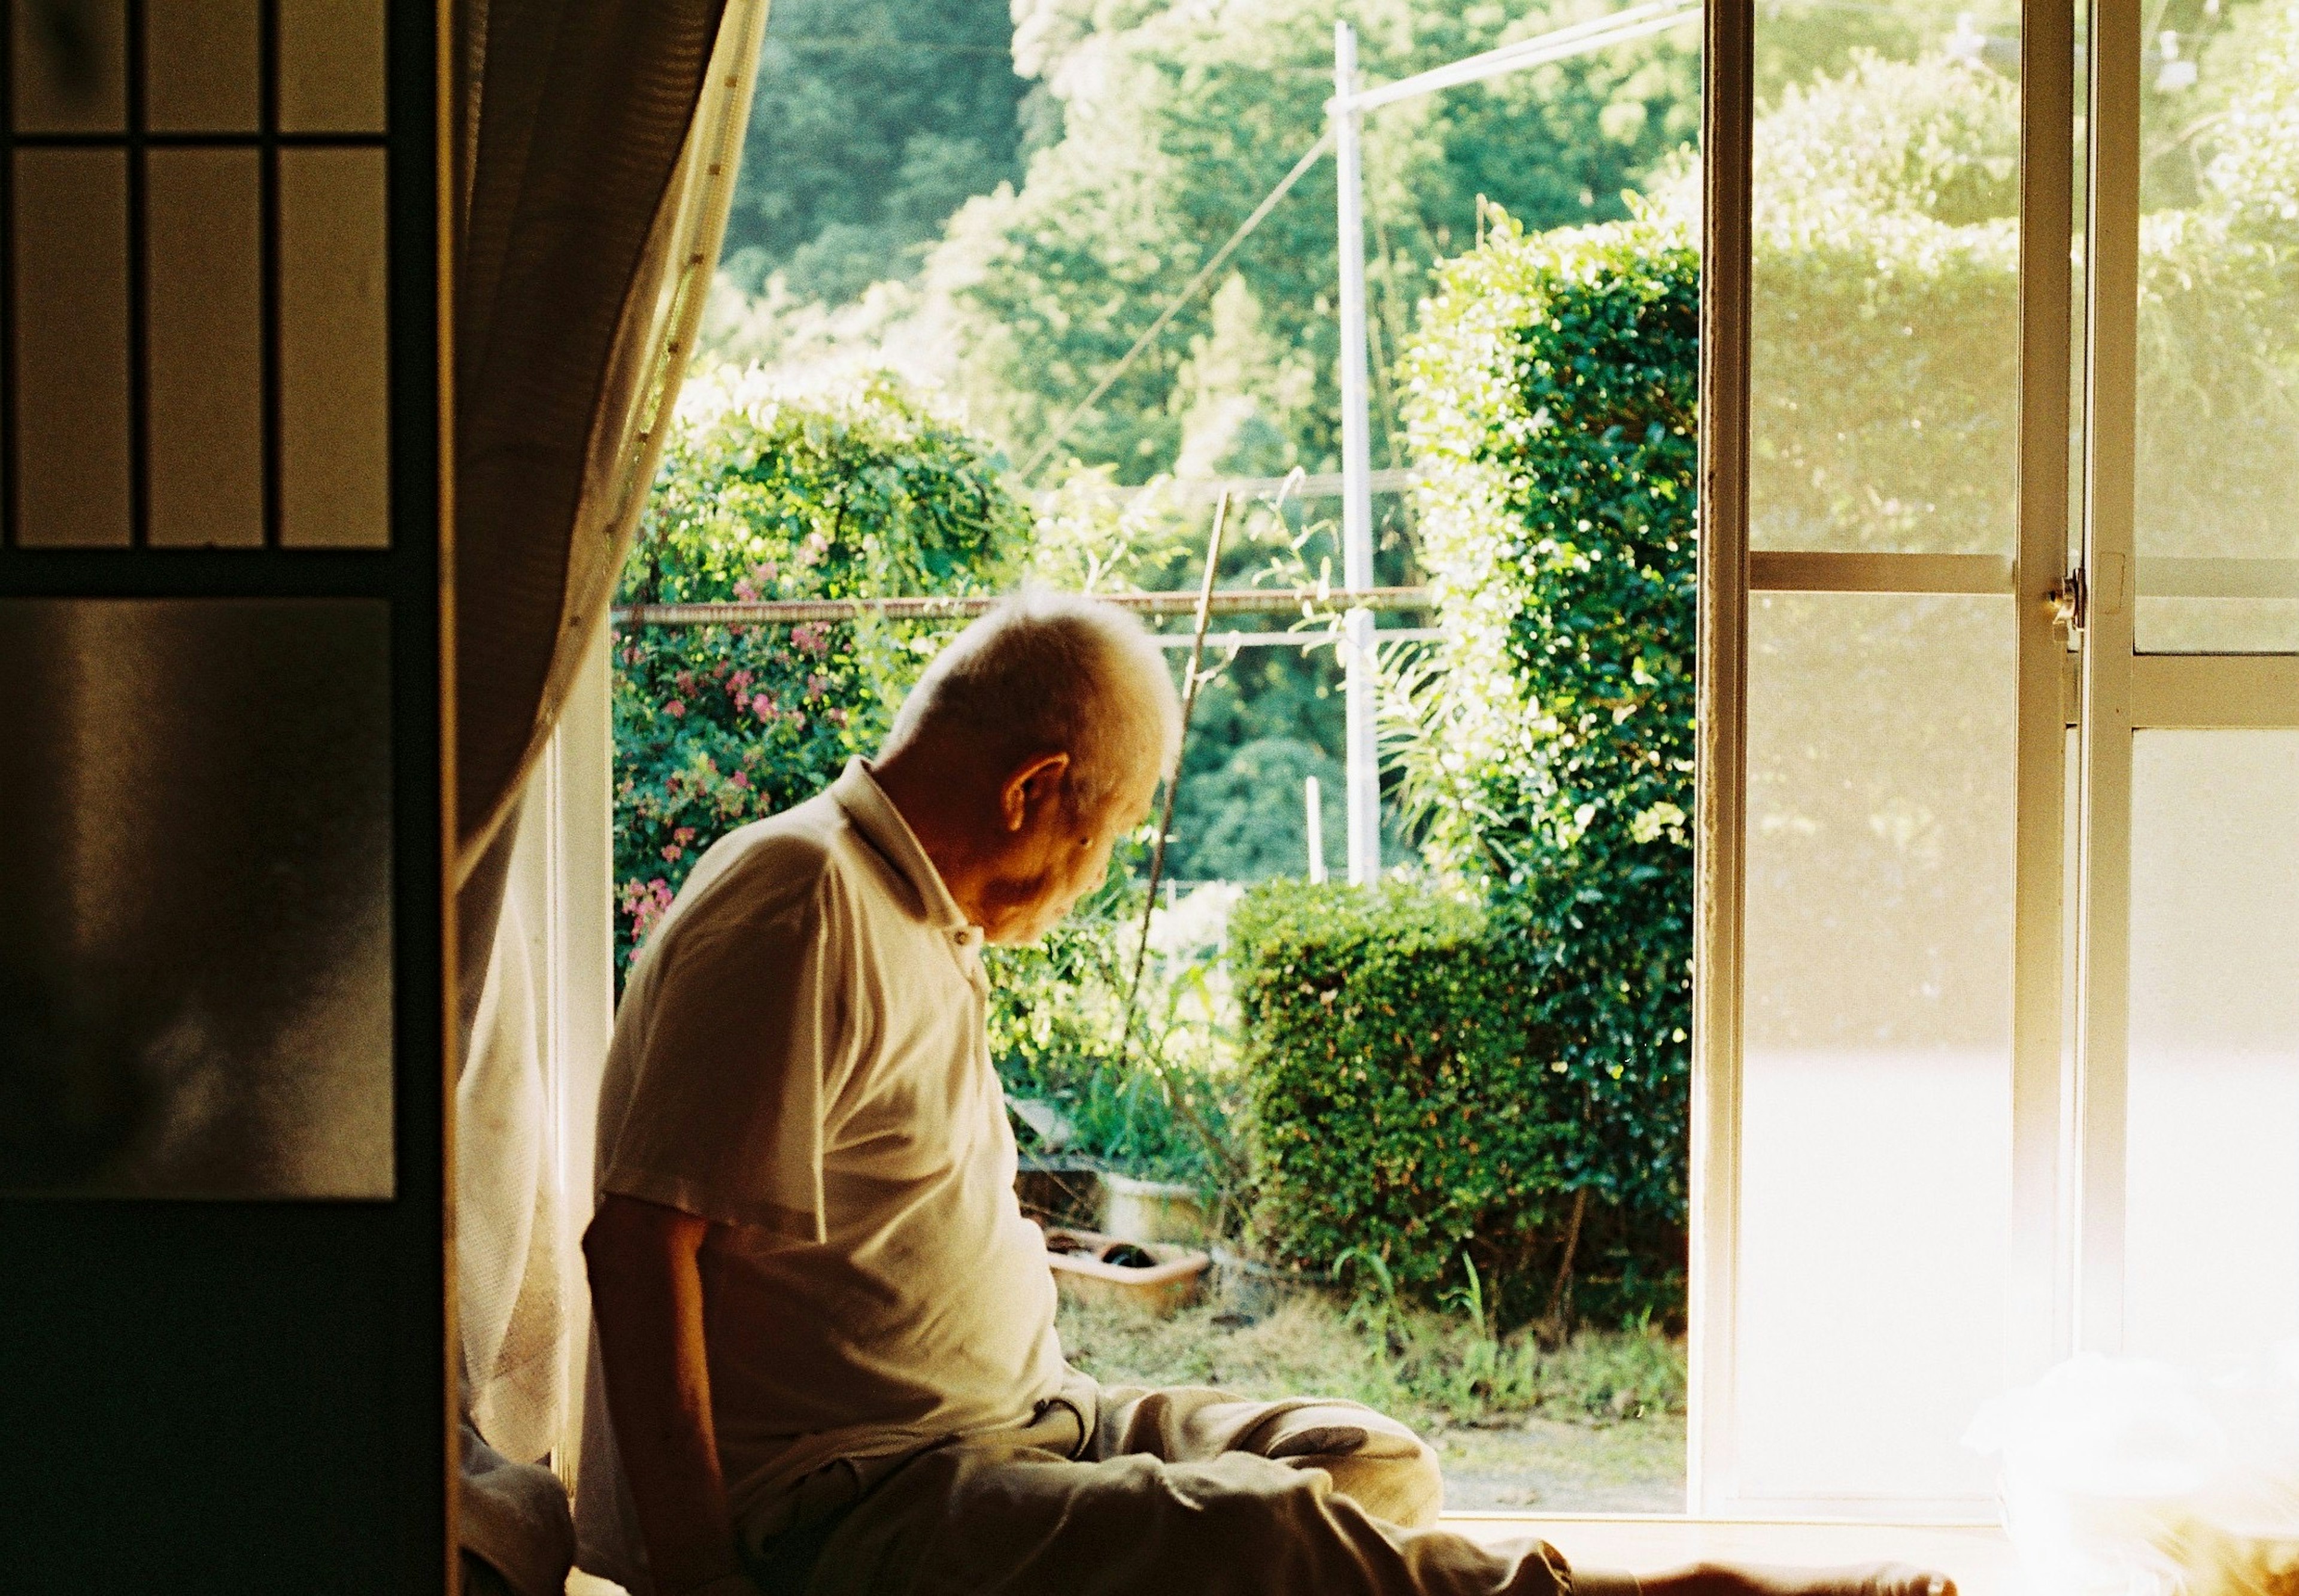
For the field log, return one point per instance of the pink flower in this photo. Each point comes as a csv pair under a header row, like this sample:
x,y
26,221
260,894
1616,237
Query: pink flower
x,y
645,903
672,852
741,681
836,717
674,709
763,707
741,780
811,638
816,685
744,591
683,834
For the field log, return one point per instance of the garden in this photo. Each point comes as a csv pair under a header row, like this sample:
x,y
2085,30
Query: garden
x,y
1466,1205
1436,1125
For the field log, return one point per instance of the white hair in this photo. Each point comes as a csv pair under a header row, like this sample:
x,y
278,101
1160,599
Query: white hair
x,y
1048,672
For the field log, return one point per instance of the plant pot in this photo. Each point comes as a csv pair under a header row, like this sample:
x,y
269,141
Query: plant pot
x,y
1094,1267
1152,1211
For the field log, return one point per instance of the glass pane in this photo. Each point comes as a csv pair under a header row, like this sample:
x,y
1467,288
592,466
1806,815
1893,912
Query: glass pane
x,y
335,404
195,829
331,72
2212,1241
1884,360
2219,332
1876,1114
70,71
203,341
72,359
201,59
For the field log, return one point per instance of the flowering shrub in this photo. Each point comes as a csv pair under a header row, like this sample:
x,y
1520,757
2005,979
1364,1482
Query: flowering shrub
x,y
763,495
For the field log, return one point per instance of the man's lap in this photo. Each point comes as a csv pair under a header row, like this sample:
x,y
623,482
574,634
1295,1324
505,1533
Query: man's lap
x,y
1151,1492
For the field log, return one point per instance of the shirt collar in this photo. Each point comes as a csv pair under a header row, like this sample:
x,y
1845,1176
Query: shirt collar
x,y
858,792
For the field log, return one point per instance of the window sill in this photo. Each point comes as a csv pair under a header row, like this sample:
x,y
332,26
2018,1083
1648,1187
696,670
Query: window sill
x,y
1977,1557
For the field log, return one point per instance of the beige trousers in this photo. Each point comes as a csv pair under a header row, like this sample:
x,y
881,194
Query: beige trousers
x,y
1123,1491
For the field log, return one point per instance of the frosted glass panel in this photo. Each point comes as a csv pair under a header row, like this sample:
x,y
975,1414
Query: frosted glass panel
x,y
71,68
2211,1239
331,73
335,406
1876,1110
195,822
71,359
1883,363
2218,343
201,61
203,341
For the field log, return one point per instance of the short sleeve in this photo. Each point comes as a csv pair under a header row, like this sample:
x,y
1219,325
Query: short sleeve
x,y
741,1052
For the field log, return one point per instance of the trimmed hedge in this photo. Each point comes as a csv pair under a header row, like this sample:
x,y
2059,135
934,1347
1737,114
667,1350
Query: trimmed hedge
x,y
1406,1105
1552,409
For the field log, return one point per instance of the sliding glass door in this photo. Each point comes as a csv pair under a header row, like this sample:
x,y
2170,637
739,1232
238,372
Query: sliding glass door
x,y
2000,1011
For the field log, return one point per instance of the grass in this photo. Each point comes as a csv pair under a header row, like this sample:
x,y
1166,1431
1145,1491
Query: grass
x,y
1595,1424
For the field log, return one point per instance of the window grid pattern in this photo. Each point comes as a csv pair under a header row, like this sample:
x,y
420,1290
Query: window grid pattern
x,y
127,418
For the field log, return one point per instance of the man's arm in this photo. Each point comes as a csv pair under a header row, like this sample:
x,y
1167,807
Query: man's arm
x,y
646,1295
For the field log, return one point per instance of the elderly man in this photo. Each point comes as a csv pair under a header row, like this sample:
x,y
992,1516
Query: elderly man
x,y
824,1329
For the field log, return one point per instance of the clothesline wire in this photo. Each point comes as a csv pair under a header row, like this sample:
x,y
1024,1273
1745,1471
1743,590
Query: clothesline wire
x,y
1173,306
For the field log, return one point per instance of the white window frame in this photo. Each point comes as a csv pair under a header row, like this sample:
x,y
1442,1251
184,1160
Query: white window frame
x,y
2067,1208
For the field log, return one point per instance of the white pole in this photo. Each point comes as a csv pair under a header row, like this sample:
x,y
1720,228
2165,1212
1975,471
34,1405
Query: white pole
x,y
1362,756
1313,796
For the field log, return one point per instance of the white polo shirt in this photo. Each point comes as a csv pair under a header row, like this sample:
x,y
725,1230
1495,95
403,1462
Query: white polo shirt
x,y
800,1057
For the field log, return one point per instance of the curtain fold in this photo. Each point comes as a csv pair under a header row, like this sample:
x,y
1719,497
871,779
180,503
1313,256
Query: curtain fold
x,y
595,149
600,147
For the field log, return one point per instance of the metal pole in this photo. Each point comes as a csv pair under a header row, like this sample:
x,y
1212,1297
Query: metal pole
x,y
1314,798
1362,755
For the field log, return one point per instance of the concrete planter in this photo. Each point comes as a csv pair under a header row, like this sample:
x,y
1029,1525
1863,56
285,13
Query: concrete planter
x,y
1152,1211
1094,1267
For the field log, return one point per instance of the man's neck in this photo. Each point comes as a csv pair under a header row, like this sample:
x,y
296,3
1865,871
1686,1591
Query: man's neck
x,y
937,801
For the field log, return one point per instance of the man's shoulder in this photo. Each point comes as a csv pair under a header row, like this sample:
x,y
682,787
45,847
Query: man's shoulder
x,y
808,854
783,858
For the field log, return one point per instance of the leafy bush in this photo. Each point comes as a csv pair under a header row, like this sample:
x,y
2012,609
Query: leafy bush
x,y
1547,743
1412,1118
765,496
1158,1103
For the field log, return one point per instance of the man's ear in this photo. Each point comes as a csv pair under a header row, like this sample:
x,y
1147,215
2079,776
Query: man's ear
x,y
1033,785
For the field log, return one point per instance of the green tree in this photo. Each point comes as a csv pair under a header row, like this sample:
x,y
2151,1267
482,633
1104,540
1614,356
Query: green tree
x,y
873,121
1175,121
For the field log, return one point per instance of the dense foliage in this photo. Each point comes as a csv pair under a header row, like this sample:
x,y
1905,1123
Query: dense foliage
x,y
1416,1124
761,495
1548,740
1174,121
873,121
1155,1101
